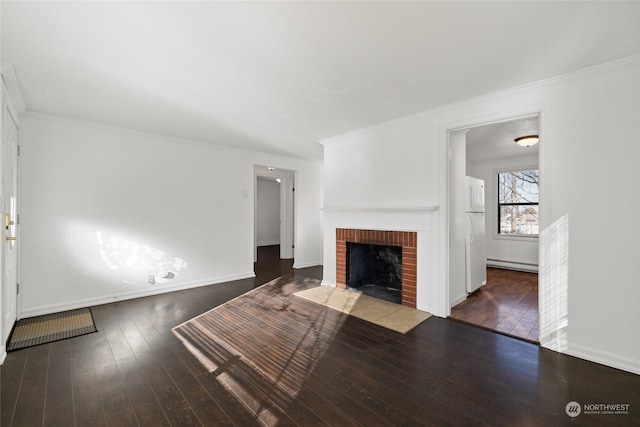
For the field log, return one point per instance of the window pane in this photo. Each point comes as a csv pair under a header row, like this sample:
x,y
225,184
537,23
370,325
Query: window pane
x,y
518,187
519,220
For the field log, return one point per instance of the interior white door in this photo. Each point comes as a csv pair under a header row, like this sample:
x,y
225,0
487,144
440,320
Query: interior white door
x,y
9,165
286,218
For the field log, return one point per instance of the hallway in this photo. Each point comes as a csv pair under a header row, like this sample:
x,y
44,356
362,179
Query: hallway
x,y
269,265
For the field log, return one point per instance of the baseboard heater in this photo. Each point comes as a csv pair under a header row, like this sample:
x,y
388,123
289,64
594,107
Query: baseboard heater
x,y
512,265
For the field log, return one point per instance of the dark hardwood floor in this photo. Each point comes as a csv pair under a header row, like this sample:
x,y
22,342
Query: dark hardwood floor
x,y
269,265
508,304
280,360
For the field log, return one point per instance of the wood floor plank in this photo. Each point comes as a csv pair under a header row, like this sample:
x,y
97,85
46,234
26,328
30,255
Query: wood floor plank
x,y
145,405
29,409
345,403
87,405
330,414
11,379
115,403
172,402
203,405
239,413
59,395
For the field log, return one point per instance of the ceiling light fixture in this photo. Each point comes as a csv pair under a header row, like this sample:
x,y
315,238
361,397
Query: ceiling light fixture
x,y
527,140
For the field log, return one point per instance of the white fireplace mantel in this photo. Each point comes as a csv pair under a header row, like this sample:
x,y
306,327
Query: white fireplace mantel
x,y
421,219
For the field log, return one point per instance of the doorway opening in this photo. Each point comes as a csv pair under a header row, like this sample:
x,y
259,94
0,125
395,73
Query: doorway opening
x,y
274,217
493,280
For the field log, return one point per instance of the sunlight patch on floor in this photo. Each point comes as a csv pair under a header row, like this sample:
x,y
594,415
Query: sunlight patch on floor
x,y
392,316
261,367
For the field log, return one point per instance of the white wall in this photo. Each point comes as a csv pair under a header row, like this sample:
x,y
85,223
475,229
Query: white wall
x,y
104,207
268,212
510,252
589,128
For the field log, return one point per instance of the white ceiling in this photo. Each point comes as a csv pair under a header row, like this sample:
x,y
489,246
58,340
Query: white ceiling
x,y
497,140
279,76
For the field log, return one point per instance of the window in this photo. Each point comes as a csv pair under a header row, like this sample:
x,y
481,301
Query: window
x,y
518,203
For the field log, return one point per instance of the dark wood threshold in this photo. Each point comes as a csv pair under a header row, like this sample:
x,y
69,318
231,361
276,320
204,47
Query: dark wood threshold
x,y
486,328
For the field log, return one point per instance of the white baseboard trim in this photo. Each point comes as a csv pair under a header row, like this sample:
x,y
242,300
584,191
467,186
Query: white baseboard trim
x,y
269,243
298,265
89,302
325,283
3,354
457,300
602,357
597,356
512,265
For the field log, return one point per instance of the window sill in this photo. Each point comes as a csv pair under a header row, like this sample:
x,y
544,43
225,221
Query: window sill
x,y
532,238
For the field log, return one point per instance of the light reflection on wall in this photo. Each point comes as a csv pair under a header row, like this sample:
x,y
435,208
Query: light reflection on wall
x,y
554,285
123,254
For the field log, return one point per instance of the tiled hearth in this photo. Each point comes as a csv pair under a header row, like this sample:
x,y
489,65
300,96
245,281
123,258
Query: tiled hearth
x,y
407,240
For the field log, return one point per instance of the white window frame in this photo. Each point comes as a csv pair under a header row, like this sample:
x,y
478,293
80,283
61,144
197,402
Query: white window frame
x,y
496,197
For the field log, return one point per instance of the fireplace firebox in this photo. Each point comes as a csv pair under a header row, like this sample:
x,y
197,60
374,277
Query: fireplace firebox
x,y
405,240
375,270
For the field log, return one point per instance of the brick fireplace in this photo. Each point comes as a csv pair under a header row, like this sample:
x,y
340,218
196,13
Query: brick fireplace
x,y
407,240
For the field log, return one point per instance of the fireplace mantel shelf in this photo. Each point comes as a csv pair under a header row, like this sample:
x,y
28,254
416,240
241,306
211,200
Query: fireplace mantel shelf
x,y
412,209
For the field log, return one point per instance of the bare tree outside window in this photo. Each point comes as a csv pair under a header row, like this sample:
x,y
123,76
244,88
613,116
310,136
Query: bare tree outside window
x,y
518,203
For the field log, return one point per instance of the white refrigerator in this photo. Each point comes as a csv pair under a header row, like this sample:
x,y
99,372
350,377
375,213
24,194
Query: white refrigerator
x,y
475,248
